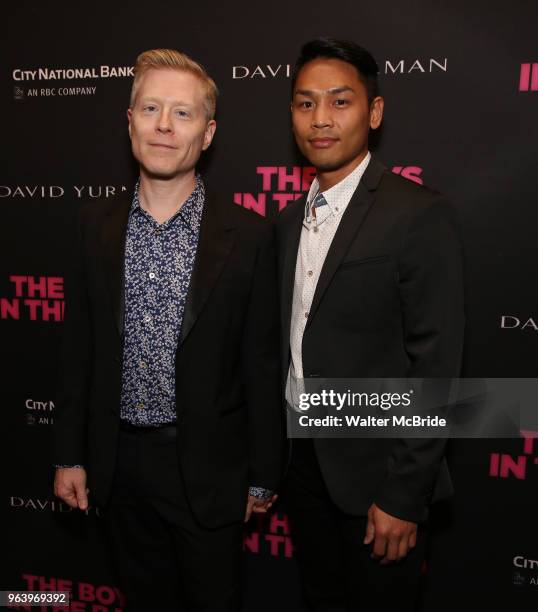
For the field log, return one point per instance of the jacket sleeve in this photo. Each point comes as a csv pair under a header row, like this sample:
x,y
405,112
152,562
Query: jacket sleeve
x,y
431,293
68,432
261,369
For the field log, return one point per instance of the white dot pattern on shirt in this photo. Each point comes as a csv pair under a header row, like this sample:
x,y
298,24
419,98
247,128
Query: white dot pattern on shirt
x,y
159,261
317,235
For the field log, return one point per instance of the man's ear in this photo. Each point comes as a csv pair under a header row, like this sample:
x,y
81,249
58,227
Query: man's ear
x,y
210,129
376,112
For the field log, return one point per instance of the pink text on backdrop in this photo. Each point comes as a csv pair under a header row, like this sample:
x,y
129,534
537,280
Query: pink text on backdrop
x,y
528,77
40,297
503,465
279,184
409,172
84,596
270,536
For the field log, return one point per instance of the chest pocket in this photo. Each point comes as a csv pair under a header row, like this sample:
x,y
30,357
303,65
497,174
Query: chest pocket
x,y
365,292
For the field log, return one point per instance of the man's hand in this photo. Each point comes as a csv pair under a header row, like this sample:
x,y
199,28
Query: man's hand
x,y
255,504
393,536
70,486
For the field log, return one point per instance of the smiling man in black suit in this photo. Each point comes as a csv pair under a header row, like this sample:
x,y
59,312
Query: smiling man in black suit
x,y
169,406
371,286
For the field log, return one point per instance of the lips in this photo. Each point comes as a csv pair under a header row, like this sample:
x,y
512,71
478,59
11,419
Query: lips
x,y
322,143
161,145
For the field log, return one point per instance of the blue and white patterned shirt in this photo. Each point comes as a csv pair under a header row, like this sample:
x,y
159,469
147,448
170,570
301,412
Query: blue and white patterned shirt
x,y
159,259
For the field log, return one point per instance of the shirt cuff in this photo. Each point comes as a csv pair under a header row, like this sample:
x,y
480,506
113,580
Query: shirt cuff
x,y
260,493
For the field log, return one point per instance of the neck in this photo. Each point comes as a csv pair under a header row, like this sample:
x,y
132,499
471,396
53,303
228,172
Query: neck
x,y
330,178
162,198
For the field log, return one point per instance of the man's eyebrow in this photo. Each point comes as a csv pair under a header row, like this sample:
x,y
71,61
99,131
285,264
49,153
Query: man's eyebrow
x,y
173,102
303,92
339,90
332,91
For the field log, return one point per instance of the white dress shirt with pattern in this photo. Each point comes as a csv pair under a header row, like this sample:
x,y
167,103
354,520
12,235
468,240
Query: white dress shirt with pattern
x,y
323,212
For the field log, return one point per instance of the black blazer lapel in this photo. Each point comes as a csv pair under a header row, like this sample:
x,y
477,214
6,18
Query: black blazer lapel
x,y
114,233
214,245
349,226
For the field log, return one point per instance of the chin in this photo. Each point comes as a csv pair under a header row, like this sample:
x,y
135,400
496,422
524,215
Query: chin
x,y
158,172
326,165
323,160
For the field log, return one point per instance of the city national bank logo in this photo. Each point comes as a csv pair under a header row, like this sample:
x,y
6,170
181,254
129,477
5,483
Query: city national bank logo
x,y
39,413
503,465
70,74
522,563
518,579
37,298
528,77
84,596
52,77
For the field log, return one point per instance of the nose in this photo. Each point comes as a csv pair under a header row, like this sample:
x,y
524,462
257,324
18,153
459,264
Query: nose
x,y
321,118
164,124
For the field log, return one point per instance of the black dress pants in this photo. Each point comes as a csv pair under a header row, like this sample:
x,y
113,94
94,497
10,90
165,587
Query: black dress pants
x,y
337,572
164,559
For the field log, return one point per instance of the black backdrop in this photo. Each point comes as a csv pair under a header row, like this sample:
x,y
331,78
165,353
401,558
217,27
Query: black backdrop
x,y
461,89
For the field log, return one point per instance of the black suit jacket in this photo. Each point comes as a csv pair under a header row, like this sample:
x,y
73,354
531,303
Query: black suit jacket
x,y
388,304
227,362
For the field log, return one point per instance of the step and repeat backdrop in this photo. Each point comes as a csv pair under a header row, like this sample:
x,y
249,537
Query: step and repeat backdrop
x,y
460,82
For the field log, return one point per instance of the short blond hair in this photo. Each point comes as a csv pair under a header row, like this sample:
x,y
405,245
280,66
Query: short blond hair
x,y
175,60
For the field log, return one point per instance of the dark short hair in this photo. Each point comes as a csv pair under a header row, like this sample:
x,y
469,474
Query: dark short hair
x,y
346,51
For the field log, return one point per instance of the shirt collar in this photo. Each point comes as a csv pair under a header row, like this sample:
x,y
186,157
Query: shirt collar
x,y
339,195
190,212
